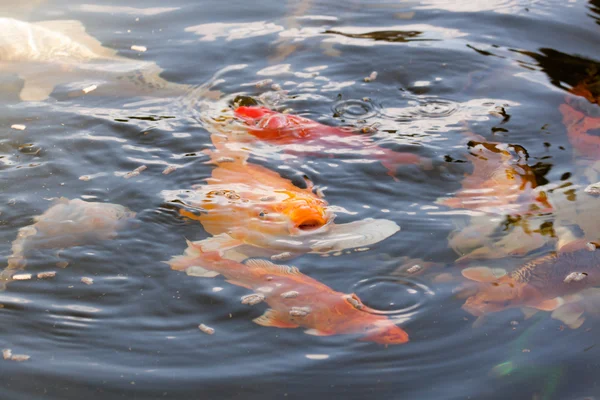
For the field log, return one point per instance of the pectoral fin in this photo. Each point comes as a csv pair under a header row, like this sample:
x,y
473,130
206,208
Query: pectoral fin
x,y
273,318
316,332
549,305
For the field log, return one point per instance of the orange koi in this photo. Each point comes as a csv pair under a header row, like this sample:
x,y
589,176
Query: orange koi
x,y
289,131
578,127
499,180
295,300
540,284
252,204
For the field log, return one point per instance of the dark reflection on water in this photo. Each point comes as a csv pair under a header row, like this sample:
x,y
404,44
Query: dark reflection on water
x,y
501,70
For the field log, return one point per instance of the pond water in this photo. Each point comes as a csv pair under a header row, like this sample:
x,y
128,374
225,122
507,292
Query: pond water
x,y
449,75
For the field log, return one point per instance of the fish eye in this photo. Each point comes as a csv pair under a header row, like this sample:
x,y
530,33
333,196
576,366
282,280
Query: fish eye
x,y
262,214
495,284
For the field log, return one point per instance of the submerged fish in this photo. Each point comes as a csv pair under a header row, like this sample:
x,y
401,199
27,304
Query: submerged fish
x,y
540,284
291,132
295,300
501,181
67,223
50,53
579,130
247,204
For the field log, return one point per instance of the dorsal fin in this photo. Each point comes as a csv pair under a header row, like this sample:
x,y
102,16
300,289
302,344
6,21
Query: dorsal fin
x,y
76,31
483,274
274,268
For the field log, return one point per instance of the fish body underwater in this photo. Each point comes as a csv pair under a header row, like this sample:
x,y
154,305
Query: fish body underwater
x,y
540,284
67,223
50,53
295,300
252,204
291,132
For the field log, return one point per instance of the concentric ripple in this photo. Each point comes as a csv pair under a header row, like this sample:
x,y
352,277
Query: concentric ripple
x,y
393,296
423,107
354,109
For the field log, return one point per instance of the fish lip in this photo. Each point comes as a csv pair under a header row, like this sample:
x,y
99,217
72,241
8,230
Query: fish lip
x,y
296,231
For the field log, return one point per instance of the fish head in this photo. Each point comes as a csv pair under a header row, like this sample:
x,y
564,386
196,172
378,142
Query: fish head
x,y
305,213
386,332
270,125
495,296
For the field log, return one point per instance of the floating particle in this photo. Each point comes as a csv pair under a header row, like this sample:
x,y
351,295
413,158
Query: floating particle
x,y
169,169
290,295
514,323
85,178
526,351
371,77
282,256
20,357
575,277
46,275
317,356
593,189
135,172
252,299
90,88
6,354
206,329
414,269
217,289
299,311
263,83
18,127
264,289
62,264
141,49
21,277
87,280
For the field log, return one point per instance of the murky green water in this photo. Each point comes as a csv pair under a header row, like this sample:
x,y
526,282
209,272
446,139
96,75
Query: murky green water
x,y
448,74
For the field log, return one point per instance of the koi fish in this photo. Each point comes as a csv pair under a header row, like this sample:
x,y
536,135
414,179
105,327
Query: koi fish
x,y
295,300
50,53
67,223
501,181
578,127
289,131
246,205
540,284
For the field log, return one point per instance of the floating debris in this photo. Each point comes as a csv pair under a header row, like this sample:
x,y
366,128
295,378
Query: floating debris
x,y
252,299
6,354
593,189
281,256
526,351
575,277
46,275
18,127
217,289
206,329
414,269
20,357
371,77
169,169
87,280
85,178
317,356
141,49
290,295
62,264
22,277
89,89
299,311
135,172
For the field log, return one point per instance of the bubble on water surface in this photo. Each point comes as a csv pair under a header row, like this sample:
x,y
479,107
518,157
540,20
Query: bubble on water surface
x,y
354,109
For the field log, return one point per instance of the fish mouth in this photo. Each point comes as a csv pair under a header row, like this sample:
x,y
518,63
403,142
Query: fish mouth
x,y
310,224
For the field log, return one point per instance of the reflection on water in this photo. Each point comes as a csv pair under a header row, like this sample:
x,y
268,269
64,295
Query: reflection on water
x,y
122,103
